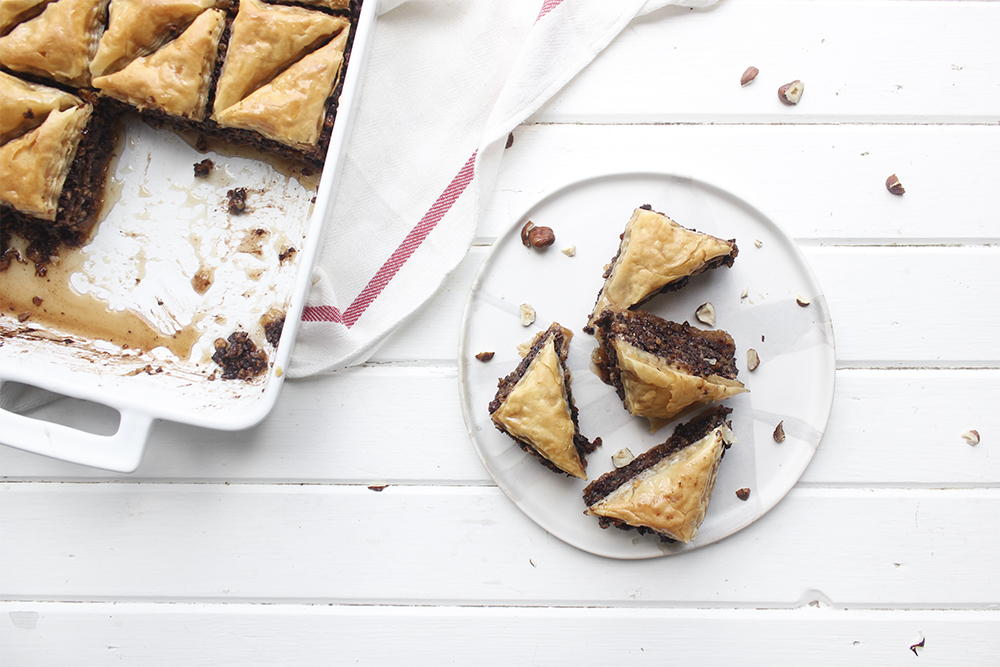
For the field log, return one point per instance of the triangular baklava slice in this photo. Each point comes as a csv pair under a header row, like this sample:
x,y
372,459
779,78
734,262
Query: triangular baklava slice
x,y
140,27
657,255
265,40
33,167
661,368
666,490
534,406
57,44
176,78
292,107
24,106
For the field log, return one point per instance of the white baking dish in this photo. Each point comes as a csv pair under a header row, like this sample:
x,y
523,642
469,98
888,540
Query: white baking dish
x,y
163,227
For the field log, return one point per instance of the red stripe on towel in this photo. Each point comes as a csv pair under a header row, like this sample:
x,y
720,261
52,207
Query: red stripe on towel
x,y
322,314
399,256
547,6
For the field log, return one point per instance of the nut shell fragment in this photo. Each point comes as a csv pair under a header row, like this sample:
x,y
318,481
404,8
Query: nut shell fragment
x,y
893,185
779,432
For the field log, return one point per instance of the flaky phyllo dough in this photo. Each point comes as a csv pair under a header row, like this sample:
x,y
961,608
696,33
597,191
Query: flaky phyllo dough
x,y
58,43
660,368
41,128
655,255
174,79
281,66
666,490
534,405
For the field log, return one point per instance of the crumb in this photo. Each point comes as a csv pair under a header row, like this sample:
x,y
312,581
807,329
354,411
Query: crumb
x,y
273,322
510,140
378,487
23,317
201,143
485,356
237,200
743,493
239,357
286,253
37,300
203,168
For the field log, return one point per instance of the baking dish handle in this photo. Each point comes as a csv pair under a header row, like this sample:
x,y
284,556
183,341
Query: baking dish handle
x,y
120,452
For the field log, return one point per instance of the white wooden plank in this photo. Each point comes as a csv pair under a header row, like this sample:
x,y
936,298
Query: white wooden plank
x,y
203,634
470,545
899,427
825,183
861,61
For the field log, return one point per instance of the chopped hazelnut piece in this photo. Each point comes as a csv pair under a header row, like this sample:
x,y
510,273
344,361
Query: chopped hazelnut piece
x,y
743,493
527,315
971,437
706,313
485,356
622,457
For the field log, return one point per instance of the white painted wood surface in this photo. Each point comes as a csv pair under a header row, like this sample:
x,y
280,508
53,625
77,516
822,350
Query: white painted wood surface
x,y
268,547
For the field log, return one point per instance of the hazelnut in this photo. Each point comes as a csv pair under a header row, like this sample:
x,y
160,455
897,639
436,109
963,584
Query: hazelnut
x,y
802,301
779,432
753,359
622,457
743,493
527,315
706,313
749,75
893,185
791,93
971,437
541,237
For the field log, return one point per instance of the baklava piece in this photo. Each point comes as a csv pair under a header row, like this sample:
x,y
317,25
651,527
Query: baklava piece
x,y
176,78
534,406
53,163
57,44
140,27
666,490
661,368
657,255
281,66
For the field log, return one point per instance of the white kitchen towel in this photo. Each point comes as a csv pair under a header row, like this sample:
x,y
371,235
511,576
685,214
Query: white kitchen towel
x,y
446,81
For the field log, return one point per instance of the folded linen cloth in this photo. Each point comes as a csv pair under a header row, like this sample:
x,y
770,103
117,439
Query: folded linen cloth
x,y
445,83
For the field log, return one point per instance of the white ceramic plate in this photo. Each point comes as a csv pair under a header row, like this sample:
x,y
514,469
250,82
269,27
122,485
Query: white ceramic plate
x,y
794,382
